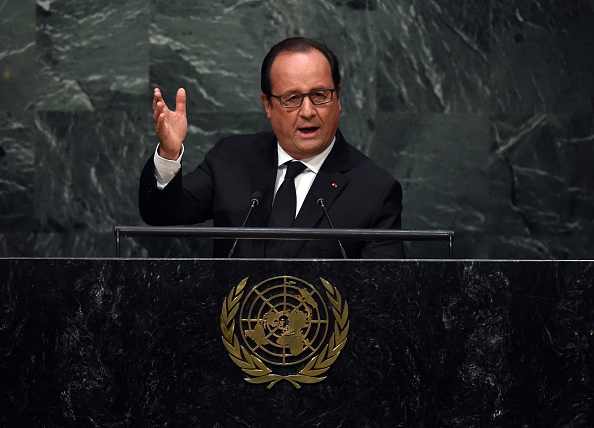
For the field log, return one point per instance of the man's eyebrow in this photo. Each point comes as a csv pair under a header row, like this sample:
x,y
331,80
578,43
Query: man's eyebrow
x,y
319,88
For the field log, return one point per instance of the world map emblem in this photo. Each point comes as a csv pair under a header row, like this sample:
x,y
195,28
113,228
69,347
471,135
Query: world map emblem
x,y
284,329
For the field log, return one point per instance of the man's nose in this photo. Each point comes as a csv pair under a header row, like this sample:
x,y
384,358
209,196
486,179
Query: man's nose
x,y
308,109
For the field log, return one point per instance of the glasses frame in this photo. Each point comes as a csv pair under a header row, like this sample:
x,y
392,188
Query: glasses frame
x,y
303,94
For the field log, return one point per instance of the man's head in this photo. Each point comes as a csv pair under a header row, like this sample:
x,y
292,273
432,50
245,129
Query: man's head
x,y
304,124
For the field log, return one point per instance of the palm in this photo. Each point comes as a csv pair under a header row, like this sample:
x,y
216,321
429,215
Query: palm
x,y
176,128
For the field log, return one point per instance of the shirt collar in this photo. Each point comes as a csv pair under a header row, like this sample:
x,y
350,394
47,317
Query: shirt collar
x,y
313,164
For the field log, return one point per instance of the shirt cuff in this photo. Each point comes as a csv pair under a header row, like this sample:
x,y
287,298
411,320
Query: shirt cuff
x,y
165,169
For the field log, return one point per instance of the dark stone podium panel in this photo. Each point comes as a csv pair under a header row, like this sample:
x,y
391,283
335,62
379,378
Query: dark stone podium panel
x,y
138,343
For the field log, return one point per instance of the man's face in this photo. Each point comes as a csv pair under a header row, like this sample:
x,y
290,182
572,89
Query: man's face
x,y
308,130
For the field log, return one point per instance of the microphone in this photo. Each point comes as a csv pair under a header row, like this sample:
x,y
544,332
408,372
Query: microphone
x,y
255,201
321,202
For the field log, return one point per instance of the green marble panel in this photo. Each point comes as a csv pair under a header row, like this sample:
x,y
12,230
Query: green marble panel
x,y
482,110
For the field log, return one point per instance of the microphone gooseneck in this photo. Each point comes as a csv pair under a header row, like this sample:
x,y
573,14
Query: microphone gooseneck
x,y
254,202
322,203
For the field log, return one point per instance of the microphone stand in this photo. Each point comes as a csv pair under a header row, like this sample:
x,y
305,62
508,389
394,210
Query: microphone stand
x,y
256,196
321,202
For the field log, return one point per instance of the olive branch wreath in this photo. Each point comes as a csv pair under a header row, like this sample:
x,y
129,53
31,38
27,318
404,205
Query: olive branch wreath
x,y
259,372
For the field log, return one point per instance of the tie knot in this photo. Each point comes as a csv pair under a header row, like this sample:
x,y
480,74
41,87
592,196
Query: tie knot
x,y
294,168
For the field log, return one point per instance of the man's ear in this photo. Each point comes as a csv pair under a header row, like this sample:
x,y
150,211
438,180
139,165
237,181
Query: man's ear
x,y
267,105
338,88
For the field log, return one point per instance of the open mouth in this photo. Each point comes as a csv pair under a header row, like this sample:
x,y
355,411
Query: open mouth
x,y
308,130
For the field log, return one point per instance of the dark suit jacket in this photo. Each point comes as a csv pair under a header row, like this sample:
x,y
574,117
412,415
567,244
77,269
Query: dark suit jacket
x,y
358,194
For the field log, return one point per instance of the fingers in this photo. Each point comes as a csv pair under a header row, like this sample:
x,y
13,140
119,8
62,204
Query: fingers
x,y
156,97
159,106
180,101
161,128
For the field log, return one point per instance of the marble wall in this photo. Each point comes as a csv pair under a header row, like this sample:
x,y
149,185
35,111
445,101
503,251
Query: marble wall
x,y
483,110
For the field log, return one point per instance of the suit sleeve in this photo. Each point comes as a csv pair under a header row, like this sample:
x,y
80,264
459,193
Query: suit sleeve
x,y
388,215
185,200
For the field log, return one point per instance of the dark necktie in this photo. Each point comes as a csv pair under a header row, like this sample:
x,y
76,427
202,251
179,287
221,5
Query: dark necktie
x,y
284,207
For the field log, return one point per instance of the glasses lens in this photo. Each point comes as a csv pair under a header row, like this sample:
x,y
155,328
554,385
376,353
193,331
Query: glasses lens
x,y
292,100
321,96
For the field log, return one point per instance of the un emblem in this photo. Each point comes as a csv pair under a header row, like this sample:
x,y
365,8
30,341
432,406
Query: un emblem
x,y
284,323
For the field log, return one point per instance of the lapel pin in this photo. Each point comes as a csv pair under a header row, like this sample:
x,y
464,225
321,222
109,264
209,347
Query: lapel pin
x,y
334,185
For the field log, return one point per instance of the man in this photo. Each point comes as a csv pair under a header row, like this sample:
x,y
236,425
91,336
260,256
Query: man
x,y
300,84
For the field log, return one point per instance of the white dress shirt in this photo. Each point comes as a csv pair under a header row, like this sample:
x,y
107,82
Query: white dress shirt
x,y
304,180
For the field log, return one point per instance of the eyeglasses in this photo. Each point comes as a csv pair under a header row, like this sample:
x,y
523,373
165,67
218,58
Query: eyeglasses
x,y
317,97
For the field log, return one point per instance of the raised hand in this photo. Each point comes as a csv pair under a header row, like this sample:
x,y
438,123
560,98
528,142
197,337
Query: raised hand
x,y
171,126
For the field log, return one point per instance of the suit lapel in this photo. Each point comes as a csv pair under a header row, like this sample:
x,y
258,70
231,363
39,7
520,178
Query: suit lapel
x,y
330,181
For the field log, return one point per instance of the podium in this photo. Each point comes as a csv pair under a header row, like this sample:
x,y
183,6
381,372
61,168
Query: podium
x,y
139,342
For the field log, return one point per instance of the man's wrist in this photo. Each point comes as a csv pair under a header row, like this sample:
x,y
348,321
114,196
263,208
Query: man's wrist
x,y
167,154
166,169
